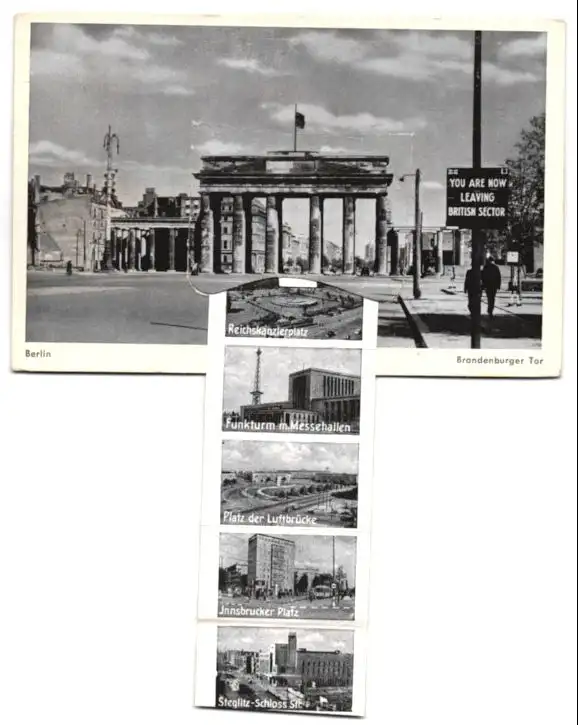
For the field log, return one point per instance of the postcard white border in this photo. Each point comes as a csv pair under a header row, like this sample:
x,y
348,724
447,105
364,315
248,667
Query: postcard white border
x,y
64,357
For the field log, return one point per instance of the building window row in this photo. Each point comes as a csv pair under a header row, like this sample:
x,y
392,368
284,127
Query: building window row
x,y
334,386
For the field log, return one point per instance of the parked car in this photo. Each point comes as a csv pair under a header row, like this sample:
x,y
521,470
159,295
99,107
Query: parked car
x,y
322,591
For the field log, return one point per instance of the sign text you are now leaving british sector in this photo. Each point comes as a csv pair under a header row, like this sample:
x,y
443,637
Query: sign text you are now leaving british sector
x,y
478,198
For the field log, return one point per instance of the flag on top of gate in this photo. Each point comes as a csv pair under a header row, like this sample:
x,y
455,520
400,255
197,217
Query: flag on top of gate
x,y
299,120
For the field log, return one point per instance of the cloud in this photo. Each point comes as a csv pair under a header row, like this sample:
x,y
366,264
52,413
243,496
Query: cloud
x,y
334,150
177,90
269,456
319,118
435,185
419,56
153,169
329,47
120,62
162,39
214,147
507,76
47,153
435,45
144,35
250,65
413,66
524,47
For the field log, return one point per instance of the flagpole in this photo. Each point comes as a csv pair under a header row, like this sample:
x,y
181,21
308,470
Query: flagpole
x,y
295,129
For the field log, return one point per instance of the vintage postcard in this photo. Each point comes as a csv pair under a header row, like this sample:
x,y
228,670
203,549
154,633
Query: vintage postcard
x,y
418,164
281,669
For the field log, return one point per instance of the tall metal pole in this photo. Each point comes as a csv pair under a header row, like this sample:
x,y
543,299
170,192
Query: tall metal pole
x,y
111,141
417,239
476,275
295,129
334,559
84,245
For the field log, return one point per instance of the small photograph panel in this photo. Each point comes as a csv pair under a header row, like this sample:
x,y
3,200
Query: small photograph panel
x,y
265,309
291,390
264,576
286,670
270,483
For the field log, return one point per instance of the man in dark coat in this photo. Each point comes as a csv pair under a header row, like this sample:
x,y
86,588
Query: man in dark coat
x,y
468,289
491,283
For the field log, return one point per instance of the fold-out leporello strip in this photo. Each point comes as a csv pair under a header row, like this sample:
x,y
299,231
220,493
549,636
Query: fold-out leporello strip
x,y
287,473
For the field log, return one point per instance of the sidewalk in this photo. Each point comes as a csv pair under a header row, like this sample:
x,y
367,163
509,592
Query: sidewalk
x,y
442,319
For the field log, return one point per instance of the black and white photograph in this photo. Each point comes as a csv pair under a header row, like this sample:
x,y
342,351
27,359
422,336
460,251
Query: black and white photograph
x,y
266,309
267,576
292,390
268,483
284,670
197,158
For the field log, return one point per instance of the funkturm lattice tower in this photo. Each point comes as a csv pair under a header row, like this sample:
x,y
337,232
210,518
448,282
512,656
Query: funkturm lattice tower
x,y
256,393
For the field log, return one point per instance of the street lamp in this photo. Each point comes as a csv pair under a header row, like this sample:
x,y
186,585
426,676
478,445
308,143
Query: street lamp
x,y
417,233
78,232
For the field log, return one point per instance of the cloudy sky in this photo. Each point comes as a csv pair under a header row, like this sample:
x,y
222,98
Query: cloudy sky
x,y
259,638
311,552
273,456
276,365
175,93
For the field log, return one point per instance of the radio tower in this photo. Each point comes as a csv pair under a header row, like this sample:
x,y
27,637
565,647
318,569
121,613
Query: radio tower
x,y
256,393
111,142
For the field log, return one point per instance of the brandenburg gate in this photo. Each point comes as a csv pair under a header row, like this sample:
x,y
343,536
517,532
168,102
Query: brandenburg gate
x,y
287,174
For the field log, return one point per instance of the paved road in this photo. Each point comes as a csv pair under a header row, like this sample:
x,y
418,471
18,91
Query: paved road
x,y
115,308
163,308
246,499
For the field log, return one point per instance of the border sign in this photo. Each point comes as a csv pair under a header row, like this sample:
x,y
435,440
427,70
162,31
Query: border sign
x,y
477,198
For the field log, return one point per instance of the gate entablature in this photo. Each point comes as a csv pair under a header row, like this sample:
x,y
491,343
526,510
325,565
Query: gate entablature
x,y
299,174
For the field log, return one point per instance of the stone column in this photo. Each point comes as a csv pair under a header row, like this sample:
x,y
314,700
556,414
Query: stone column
x,y
217,208
281,238
152,251
440,253
172,248
381,235
124,250
348,251
137,250
458,249
393,241
315,240
207,234
248,212
130,250
239,235
112,249
272,237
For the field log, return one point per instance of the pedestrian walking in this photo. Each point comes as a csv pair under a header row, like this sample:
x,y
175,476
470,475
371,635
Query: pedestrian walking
x,y
491,283
468,289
